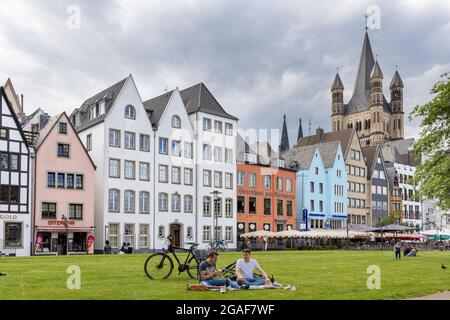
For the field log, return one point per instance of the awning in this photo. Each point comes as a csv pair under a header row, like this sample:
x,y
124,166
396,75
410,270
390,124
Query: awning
x,y
258,234
80,229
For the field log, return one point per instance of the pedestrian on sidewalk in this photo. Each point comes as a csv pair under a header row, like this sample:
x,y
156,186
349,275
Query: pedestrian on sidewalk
x,y
397,250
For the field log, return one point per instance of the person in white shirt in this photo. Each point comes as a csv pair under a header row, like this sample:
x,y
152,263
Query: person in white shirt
x,y
245,268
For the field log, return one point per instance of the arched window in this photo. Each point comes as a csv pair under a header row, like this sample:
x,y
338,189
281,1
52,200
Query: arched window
x,y
130,112
176,122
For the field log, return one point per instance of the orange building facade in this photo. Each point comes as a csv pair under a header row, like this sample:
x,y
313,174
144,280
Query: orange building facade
x,y
265,198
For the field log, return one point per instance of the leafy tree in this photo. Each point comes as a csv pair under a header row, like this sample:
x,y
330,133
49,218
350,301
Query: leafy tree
x,y
432,176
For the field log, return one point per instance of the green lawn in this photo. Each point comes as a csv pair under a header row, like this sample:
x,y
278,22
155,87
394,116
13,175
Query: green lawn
x,y
316,274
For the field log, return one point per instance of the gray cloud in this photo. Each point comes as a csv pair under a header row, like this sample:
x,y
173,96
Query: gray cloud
x,y
259,58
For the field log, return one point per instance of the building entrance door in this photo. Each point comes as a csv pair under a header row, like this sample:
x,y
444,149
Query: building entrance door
x,y
175,231
62,244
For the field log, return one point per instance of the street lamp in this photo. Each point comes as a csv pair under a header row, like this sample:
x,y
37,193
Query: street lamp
x,y
215,194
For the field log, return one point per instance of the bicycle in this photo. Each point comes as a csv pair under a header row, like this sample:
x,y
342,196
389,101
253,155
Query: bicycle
x,y
218,245
160,265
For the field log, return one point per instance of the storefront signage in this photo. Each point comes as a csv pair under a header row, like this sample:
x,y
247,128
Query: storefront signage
x,y
265,194
60,222
7,216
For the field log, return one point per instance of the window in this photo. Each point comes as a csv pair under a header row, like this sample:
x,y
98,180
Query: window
x,y
228,155
267,206
252,179
207,178
206,124
279,207
4,161
311,187
50,179
63,127
228,180
206,152
321,206
176,175
206,206
130,140
143,236
89,142
218,207
218,233
63,150
188,176
289,208
228,208
378,160
144,142
161,232
129,169
114,200
382,176
188,203
217,126
4,134
228,129
163,173
61,180
311,205
114,138
130,112
144,202
317,170
188,150
206,233
48,210
129,201
114,168
279,183
217,179
218,154
321,188
189,233
75,211
240,204
240,178
288,185
70,181
113,235
77,120
228,233
176,122
267,182
176,148
163,202
144,171
176,202
91,112
13,234
128,236
163,146
251,205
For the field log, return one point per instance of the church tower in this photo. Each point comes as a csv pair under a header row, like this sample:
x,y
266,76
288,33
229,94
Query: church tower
x,y
337,106
378,121
397,125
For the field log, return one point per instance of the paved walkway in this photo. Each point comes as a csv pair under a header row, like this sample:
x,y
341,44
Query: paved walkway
x,y
437,296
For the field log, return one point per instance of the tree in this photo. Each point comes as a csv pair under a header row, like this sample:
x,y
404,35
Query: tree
x,y
432,176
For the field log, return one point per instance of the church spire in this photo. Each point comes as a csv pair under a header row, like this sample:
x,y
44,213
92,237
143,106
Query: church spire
x,y
284,137
300,130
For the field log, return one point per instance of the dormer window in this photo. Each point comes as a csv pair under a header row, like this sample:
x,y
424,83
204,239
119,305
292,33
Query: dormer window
x,y
176,122
130,112
77,119
91,112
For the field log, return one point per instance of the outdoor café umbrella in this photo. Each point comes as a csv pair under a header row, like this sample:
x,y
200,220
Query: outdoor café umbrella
x,y
258,234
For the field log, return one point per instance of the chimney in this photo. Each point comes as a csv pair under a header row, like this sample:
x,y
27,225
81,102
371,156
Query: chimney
x,y
319,132
21,103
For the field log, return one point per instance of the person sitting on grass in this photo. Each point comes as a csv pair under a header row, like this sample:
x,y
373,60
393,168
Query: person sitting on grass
x,y
208,272
244,271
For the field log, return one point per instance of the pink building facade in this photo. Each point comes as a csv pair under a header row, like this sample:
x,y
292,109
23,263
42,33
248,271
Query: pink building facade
x,y
63,191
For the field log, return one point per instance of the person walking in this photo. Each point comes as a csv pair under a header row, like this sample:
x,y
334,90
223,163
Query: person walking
x,y
107,249
397,250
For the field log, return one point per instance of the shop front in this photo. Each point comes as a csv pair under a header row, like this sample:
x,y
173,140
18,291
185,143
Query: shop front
x,y
57,241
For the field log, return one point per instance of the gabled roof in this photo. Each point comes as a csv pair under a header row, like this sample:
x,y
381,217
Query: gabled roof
x,y
343,136
45,131
300,157
391,173
199,99
9,84
28,118
155,107
369,154
109,94
328,151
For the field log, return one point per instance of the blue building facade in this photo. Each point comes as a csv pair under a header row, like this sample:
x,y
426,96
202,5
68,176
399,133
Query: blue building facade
x,y
321,182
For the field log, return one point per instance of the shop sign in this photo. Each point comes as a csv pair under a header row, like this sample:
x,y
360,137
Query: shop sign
x,y
8,217
60,222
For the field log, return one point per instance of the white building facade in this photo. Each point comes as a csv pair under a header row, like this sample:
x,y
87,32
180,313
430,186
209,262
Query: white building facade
x,y
412,207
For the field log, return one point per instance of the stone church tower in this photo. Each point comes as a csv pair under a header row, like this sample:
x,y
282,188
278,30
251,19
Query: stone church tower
x,y
374,118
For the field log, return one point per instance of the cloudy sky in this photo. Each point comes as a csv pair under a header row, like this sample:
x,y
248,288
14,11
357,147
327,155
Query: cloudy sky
x,y
260,58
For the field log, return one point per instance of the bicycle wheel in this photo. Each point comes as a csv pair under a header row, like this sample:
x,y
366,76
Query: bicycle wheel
x,y
158,266
192,268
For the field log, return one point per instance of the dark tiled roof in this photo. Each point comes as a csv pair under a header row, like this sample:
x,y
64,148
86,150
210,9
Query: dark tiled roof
x,y
337,83
376,72
284,144
28,118
396,80
109,94
300,157
328,152
155,107
198,99
343,136
300,130
369,156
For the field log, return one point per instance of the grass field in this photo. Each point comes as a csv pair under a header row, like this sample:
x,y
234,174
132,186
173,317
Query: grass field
x,y
316,275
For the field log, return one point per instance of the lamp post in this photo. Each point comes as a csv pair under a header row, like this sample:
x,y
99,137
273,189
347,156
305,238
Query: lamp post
x,y
215,194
